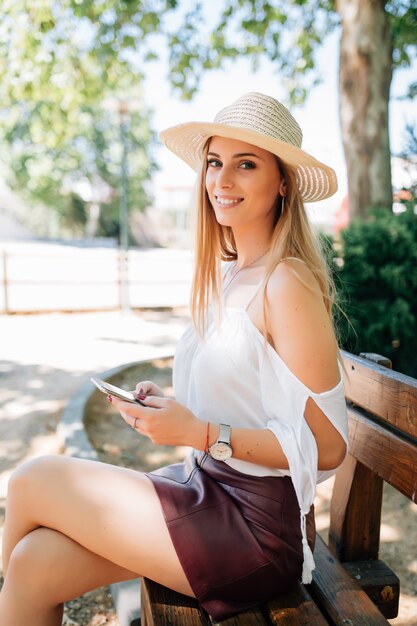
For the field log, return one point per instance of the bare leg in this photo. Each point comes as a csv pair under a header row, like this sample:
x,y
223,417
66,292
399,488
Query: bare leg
x,y
111,512
48,568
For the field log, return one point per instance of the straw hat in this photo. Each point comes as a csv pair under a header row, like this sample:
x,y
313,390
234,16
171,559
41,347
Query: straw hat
x,y
261,121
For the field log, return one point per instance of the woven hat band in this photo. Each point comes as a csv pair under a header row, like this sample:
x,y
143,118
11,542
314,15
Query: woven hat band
x,y
264,115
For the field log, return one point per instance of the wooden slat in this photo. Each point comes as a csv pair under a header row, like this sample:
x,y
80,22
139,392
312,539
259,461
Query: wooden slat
x,y
339,595
251,617
389,456
295,608
163,607
389,395
377,358
355,512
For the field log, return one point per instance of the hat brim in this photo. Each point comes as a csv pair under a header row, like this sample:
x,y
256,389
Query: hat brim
x,y
316,181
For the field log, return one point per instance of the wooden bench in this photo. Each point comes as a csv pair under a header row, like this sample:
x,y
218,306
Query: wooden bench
x,y
351,586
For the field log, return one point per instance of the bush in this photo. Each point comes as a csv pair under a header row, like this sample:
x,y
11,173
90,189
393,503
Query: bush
x,y
376,279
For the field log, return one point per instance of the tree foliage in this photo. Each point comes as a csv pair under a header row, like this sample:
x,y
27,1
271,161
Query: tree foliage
x,y
58,62
287,32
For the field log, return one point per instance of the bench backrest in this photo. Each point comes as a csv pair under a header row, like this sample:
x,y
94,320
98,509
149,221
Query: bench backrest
x,y
382,409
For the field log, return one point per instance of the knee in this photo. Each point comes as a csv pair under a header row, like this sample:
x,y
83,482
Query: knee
x,y
33,556
31,474
32,567
34,467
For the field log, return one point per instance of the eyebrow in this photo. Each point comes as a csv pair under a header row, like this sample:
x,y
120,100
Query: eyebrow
x,y
237,155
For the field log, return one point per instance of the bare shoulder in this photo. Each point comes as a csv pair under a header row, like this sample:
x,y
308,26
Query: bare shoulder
x,y
299,325
294,275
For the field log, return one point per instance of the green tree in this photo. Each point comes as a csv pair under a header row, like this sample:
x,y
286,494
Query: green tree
x,y
58,59
58,62
376,38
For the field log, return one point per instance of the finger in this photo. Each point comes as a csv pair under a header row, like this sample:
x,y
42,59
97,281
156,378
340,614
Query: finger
x,y
155,402
140,395
130,408
134,423
144,387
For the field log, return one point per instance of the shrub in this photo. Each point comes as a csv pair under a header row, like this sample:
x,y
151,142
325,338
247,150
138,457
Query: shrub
x,y
375,268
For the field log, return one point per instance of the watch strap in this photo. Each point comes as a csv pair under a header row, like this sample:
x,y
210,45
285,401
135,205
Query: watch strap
x,y
224,434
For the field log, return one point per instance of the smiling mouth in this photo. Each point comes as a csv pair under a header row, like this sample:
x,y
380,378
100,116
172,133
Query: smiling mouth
x,y
228,201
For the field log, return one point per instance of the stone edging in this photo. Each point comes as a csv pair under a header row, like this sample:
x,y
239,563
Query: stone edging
x,y
71,434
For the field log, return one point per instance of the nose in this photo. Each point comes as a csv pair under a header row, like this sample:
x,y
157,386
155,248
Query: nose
x,y
225,178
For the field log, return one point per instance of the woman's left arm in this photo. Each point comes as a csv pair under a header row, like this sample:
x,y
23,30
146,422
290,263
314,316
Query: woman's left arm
x,y
299,328
301,331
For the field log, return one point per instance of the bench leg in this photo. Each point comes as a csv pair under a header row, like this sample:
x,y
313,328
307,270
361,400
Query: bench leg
x,y
355,512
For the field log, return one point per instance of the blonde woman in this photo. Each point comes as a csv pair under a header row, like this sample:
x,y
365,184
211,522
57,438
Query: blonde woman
x,y
259,398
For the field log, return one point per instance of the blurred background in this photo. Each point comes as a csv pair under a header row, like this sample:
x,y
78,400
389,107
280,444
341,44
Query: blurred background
x,y
86,188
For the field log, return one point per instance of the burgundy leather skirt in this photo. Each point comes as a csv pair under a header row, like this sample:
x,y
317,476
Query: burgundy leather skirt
x,y
237,536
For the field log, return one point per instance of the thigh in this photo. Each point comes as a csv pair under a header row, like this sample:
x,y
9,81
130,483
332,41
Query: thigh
x,y
111,511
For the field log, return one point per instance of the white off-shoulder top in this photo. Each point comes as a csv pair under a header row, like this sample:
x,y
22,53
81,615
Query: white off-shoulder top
x,y
234,377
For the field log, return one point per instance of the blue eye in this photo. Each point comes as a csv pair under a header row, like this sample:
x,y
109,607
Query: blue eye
x,y
247,165
213,163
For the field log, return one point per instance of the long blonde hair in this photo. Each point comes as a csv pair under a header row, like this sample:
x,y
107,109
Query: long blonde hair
x,y
292,236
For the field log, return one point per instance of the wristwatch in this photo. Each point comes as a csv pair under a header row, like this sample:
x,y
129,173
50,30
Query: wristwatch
x,y
221,449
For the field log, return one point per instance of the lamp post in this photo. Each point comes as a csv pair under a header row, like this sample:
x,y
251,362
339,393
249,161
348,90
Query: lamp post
x,y
123,107
124,212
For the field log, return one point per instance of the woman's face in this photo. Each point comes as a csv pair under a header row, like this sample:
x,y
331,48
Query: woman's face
x,y
243,183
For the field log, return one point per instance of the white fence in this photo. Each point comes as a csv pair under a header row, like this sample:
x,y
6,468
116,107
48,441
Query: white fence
x,y
40,276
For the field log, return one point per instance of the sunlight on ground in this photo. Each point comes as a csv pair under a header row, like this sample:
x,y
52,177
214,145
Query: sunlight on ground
x,y
407,607
159,457
43,444
4,481
389,533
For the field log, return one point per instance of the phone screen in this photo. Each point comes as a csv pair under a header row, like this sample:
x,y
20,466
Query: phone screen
x,y
107,388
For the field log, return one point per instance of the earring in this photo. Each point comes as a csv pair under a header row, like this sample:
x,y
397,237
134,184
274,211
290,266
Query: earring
x,y
282,204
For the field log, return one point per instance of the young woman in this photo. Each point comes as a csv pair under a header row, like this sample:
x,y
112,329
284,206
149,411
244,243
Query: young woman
x,y
259,398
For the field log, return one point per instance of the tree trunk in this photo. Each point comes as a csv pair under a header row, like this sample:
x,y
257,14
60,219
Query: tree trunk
x,y
365,74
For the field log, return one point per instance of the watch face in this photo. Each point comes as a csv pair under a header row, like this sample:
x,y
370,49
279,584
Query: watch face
x,y
221,451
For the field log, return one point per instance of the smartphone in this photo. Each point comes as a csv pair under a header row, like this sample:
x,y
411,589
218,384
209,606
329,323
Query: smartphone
x,y
107,388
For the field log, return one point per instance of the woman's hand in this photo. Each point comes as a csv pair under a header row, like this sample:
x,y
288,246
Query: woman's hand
x,y
148,388
164,421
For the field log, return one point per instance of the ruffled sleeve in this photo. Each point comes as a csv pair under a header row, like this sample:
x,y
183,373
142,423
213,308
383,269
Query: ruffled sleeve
x,y
284,398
